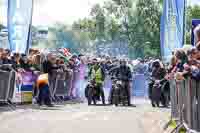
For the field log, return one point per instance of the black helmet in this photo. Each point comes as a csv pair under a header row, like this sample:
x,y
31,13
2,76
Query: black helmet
x,y
156,63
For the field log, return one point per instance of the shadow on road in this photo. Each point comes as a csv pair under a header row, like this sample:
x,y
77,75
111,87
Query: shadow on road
x,y
46,108
133,105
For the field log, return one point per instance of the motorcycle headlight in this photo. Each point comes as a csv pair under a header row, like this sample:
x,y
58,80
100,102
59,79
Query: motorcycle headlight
x,y
119,82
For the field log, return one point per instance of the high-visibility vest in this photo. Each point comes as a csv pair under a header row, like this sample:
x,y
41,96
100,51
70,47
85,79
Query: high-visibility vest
x,y
97,75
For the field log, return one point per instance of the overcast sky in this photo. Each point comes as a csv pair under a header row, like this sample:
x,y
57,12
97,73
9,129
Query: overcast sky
x,y
51,11
194,2
48,12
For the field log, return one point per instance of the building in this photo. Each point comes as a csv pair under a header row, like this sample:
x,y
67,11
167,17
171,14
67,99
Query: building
x,y
40,33
4,38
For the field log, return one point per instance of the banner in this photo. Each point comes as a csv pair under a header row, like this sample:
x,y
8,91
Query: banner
x,y
19,24
195,27
17,96
172,27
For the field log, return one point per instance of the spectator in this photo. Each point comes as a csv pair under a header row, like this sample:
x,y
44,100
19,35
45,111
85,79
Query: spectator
x,y
181,60
5,59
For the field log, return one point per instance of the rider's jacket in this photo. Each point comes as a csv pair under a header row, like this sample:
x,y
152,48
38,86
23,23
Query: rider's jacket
x,y
158,73
122,73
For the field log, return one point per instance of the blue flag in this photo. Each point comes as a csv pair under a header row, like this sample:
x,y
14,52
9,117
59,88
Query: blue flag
x,y
195,23
172,27
19,25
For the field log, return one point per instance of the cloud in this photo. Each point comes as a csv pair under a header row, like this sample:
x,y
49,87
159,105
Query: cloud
x,y
40,2
194,2
47,12
3,11
3,2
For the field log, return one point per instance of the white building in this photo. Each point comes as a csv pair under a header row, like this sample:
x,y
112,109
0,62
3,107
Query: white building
x,y
4,39
41,33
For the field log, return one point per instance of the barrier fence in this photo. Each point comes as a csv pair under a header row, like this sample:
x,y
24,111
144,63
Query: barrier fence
x,y
19,87
185,103
7,79
4,85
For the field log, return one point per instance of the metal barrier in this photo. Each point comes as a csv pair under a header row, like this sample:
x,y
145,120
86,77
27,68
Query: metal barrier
x,y
7,83
60,84
185,103
12,85
4,85
68,81
174,100
52,83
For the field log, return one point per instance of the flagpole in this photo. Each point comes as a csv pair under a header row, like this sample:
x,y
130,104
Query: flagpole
x,y
184,22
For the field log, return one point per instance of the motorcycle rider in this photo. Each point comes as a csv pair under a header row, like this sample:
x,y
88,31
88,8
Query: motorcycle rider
x,y
97,74
123,72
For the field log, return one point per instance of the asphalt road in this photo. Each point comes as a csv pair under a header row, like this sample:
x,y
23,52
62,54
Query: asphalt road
x,y
79,118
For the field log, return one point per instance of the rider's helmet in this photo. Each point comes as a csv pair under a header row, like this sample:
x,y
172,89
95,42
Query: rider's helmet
x,y
122,62
156,64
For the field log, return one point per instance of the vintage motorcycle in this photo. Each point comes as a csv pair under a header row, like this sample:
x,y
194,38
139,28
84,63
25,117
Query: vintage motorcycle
x,y
159,92
118,93
92,93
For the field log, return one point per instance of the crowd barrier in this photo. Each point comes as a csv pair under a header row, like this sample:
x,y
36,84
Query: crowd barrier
x,y
6,86
185,103
19,87
60,83
61,86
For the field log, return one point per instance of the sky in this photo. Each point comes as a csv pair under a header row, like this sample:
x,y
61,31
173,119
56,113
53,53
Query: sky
x,y
51,11
192,2
48,12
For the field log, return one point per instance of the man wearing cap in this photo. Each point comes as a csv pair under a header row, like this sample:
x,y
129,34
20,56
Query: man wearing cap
x,y
4,57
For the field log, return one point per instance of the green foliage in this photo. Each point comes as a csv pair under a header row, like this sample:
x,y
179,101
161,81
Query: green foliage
x,y
144,25
117,19
1,27
136,21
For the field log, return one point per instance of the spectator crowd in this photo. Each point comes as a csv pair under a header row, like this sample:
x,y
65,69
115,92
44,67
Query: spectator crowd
x,y
185,62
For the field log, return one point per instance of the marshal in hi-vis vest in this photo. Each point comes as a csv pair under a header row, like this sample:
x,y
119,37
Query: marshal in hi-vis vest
x,y
97,75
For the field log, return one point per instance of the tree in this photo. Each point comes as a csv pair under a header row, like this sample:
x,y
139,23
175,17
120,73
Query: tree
x,y
136,21
1,26
144,23
97,12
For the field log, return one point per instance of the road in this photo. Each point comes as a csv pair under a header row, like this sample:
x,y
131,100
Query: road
x,y
79,118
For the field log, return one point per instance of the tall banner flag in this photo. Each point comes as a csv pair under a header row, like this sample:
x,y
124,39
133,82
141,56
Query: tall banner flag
x,y
172,27
19,25
195,28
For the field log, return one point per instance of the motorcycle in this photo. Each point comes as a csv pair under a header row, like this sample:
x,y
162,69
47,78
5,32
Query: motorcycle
x,y
92,93
118,93
159,92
